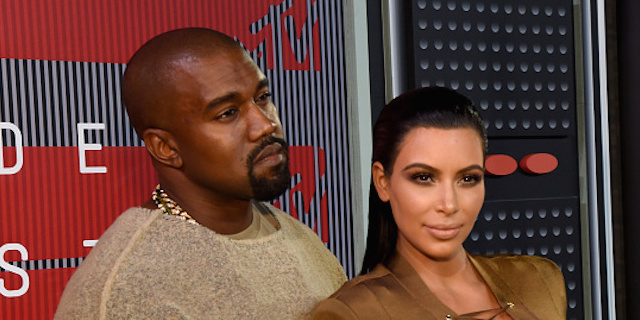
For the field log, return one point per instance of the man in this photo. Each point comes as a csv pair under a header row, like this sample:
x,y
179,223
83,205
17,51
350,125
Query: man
x,y
204,247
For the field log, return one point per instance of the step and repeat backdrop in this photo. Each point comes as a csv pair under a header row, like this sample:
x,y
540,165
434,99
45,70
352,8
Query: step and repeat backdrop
x,y
70,161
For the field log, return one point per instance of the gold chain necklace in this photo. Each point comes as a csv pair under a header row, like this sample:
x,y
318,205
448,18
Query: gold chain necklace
x,y
170,207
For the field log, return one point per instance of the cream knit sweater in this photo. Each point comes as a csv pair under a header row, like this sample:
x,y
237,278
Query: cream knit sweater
x,y
149,265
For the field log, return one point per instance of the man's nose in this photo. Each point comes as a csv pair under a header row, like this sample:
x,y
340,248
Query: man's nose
x,y
261,121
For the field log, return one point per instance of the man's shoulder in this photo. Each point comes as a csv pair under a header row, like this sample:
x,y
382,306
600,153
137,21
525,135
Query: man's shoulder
x,y
131,219
303,242
120,232
297,234
287,222
83,293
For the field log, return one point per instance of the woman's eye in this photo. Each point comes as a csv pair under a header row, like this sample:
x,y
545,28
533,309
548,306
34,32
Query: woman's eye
x,y
422,178
471,179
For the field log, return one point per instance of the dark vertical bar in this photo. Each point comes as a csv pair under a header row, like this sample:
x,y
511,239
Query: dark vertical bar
x,y
629,50
376,57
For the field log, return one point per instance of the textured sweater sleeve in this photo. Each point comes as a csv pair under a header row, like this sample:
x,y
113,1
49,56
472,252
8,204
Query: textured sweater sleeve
x,y
313,253
87,292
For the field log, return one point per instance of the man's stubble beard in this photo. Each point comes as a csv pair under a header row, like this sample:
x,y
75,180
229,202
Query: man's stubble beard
x,y
266,189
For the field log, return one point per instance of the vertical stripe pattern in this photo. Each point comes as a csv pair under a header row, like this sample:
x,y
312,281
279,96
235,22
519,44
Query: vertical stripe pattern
x,y
47,99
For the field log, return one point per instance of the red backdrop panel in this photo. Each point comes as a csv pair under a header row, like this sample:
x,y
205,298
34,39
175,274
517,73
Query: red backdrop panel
x,y
54,207
111,31
41,300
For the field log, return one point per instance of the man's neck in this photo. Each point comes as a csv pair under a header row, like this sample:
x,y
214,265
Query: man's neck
x,y
224,216
227,219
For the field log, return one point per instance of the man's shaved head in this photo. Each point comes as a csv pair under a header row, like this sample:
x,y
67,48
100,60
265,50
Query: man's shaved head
x,y
148,82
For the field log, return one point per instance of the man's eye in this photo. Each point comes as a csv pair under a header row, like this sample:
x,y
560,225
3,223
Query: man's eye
x,y
227,114
263,100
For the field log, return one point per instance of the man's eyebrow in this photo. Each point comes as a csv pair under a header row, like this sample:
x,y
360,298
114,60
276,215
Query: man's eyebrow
x,y
263,83
220,100
233,95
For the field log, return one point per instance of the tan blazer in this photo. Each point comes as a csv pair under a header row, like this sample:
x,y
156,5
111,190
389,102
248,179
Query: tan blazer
x,y
395,291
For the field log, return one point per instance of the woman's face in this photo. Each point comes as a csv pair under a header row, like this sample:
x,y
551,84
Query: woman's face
x,y
436,190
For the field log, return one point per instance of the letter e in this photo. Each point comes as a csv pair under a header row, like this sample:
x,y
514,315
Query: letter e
x,y
83,147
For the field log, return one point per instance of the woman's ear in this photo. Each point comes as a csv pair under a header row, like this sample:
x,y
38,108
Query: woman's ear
x,y
162,147
380,181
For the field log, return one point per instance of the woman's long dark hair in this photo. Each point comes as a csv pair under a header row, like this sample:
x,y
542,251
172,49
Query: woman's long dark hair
x,y
430,107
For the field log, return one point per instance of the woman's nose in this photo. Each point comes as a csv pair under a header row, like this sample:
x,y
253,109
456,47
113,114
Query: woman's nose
x,y
447,199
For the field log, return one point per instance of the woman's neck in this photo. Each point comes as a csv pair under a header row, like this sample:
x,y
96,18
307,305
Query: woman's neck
x,y
452,269
454,280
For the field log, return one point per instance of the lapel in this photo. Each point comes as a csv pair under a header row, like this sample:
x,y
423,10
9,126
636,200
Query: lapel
x,y
498,282
413,284
432,308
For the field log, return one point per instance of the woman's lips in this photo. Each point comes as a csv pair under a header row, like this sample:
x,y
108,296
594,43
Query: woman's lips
x,y
443,232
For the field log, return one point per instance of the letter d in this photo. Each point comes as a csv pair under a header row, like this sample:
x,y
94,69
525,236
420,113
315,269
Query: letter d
x,y
19,160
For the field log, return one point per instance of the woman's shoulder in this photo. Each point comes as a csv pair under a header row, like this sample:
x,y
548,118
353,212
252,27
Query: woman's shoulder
x,y
536,281
363,284
519,265
357,298
512,258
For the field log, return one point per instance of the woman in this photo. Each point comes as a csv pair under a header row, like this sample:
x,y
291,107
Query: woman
x,y
429,148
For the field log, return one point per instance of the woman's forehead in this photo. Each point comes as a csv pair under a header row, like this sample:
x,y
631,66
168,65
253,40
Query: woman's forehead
x,y
437,145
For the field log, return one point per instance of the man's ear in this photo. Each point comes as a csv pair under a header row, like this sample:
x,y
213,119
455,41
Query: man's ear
x,y
162,147
380,181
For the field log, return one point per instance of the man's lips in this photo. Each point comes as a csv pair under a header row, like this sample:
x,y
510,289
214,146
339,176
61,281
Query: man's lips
x,y
270,153
443,232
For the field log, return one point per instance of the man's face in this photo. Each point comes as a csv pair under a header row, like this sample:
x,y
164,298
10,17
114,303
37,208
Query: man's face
x,y
227,128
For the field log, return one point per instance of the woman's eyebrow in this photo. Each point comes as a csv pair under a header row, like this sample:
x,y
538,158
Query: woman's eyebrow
x,y
421,166
472,167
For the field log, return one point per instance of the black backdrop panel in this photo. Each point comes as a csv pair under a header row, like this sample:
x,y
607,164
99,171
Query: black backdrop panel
x,y
515,60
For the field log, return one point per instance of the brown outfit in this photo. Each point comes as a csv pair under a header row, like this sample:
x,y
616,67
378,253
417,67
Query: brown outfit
x,y
395,291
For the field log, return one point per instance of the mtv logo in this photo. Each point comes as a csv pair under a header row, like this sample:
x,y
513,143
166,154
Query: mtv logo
x,y
256,23
307,163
